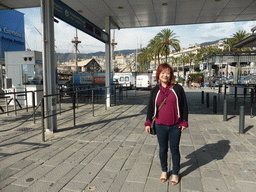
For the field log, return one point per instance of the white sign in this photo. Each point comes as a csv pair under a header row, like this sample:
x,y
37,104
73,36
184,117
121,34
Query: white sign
x,y
201,66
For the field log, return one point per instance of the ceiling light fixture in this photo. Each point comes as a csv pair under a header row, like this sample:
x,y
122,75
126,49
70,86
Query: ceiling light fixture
x,y
120,7
80,11
217,0
164,4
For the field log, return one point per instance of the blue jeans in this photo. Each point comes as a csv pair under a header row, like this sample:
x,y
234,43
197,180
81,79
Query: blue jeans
x,y
171,134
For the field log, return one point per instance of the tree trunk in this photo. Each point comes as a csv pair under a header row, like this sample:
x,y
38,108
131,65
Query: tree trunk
x,y
166,54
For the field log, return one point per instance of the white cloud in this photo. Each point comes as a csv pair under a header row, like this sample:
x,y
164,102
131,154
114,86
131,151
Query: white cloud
x,y
127,38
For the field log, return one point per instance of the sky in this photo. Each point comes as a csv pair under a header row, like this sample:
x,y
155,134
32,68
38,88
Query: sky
x,y
126,38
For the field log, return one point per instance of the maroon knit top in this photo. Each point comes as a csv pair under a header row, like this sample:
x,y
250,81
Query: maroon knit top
x,y
168,114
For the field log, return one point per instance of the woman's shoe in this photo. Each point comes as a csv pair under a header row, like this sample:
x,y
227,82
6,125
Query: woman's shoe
x,y
175,179
163,177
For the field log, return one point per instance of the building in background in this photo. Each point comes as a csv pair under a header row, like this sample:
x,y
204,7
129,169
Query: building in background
x,y
12,36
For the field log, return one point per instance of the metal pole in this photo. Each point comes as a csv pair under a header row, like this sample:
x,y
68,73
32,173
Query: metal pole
x,y
76,98
207,100
33,106
92,102
252,95
14,101
225,110
225,90
215,104
244,95
59,101
241,120
115,96
74,108
6,103
105,98
26,98
42,115
219,92
202,97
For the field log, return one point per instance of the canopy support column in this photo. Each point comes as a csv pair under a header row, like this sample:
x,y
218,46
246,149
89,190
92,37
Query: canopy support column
x,y
108,61
49,64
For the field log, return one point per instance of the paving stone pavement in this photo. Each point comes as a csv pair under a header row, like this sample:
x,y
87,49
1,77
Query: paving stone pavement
x,y
111,151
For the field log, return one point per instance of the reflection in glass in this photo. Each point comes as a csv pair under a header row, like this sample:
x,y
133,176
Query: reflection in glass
x,y
32,74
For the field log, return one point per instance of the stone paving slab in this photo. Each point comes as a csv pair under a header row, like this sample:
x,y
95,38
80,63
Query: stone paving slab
x,y
111,151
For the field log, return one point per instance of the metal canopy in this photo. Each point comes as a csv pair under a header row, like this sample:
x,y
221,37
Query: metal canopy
x,y
149,13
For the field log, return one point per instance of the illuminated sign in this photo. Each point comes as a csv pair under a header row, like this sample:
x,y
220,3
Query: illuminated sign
x,y
67,14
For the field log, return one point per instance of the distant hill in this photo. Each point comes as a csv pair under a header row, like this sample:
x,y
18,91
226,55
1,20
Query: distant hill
x,y
71,56
210,43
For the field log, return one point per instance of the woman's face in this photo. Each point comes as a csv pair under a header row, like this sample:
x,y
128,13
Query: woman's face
x,y
165,76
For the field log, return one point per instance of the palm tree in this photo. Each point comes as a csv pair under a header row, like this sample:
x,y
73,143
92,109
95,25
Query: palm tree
x,y
175,60
184,59
168,39
240,35
154,47
144,59
191,57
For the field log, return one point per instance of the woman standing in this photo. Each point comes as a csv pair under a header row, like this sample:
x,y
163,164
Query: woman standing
x,y
170,120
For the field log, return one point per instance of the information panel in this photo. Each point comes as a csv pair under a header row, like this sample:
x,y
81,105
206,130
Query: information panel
x,y
67,14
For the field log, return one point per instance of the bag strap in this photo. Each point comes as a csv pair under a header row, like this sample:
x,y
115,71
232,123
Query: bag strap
x,y
160,106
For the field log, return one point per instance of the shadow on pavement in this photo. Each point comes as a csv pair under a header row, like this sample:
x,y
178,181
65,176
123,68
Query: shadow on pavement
x,y
205,155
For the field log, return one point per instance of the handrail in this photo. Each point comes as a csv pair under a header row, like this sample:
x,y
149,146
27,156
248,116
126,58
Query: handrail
x,y
74,95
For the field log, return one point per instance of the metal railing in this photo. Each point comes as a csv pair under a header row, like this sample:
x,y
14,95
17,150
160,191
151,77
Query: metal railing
x,y
16,98
94,95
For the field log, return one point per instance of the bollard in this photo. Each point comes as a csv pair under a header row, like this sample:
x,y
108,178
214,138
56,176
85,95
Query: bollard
x,y
215,104
225,90
225,110
235,98
202,97
241,120
207,100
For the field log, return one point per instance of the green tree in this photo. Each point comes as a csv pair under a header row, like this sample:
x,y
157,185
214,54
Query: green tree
x,y
191,57
155,48
175,61
144,59
168,39
184,59
240,35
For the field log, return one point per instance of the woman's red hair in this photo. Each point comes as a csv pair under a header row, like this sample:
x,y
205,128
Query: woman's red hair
x,y
162,67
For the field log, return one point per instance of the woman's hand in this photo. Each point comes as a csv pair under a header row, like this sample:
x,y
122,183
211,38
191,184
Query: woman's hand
x,y
183,128
147,129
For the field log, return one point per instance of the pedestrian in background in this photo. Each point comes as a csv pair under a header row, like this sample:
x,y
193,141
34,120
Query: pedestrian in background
x,y
200,81
213,80
170,120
